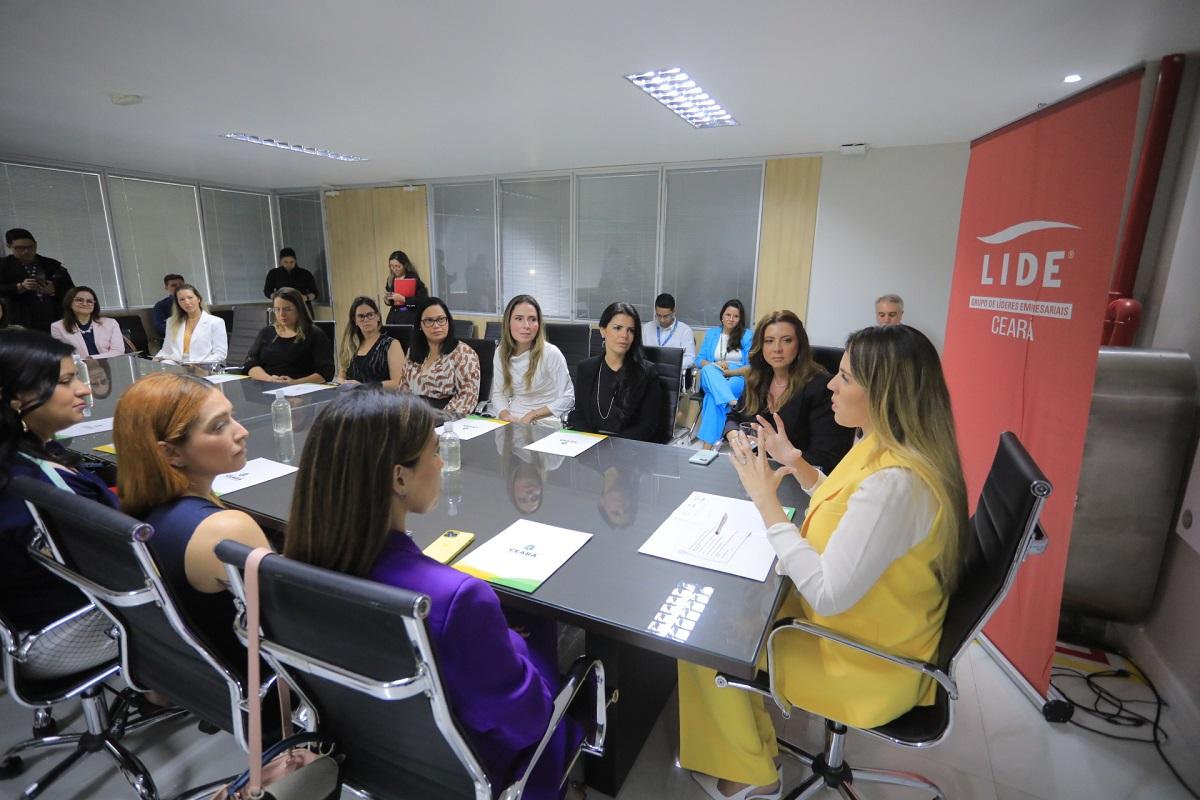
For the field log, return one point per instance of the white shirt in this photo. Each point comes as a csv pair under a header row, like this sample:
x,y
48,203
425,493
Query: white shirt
x,y
678,335
891,512
551,385
209,342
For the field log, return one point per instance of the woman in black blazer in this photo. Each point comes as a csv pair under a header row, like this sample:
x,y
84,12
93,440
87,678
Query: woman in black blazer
x,y
618,393
784,380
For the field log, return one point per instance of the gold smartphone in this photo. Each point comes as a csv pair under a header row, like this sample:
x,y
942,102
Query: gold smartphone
x,y
448,545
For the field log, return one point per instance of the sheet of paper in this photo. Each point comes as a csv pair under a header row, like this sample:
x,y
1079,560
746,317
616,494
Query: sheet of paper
x,y
225,378
523,555
566,443
472,426
256,471
85,427
738,546
111,449
297,389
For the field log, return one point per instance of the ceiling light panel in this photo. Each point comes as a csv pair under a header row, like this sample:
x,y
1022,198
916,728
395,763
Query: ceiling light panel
x,y
295,148
676,90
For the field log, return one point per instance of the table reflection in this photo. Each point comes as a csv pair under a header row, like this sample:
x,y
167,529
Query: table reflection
x,y
524,470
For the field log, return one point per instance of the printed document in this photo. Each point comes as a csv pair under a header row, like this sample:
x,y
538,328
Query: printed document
x,y
256,471
716,532
469,427
523,555
297,389
225,377
566,443
85,427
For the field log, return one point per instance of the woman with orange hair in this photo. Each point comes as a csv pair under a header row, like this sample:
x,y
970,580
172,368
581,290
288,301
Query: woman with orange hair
x,y
174,435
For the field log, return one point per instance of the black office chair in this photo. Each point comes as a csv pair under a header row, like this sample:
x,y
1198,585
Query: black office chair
x,y
485,349
401,333
1002,533
225,314
492,331
668,363
329,328
573,339
105,554
829,358
135,332
247,322
464,329
596,342
359,653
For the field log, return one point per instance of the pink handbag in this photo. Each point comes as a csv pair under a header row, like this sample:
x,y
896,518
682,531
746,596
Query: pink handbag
x,y
298,767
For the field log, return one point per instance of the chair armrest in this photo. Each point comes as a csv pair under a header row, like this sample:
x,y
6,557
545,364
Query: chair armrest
x,y
924,667
575,680
1039,542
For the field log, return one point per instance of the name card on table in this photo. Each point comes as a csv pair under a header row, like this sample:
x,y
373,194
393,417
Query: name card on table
x,y
566,443
297,389
471,426
523,555
256,471
85,427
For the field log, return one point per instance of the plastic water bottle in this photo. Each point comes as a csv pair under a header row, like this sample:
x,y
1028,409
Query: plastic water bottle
x,y
285,447
81,372
450,448
281,415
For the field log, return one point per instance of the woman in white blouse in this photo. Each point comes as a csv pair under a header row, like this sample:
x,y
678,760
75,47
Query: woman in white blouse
x,y
193,335
83,326
530,380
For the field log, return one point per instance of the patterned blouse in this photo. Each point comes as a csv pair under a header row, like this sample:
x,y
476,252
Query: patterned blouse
x,y
373,367
453,378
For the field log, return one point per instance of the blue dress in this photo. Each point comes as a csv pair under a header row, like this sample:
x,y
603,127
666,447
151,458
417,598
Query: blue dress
x,y
30,596
720,393
210,615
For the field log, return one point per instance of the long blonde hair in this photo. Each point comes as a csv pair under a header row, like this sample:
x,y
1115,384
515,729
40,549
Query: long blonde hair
x,y
758,382
508,345
178,317
909,408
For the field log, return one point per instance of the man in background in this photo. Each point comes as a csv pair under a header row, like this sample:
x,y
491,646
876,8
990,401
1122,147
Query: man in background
x,y
163,308
667,331
33,284
889,310
288,274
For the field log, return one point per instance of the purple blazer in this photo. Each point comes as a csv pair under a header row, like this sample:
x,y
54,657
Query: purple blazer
x,y
500,689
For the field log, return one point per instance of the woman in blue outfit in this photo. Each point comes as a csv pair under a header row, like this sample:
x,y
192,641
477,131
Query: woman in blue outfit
x,y
500,683
40,395
722,362
175,434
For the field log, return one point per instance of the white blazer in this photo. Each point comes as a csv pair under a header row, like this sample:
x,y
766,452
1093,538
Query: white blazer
x,y
209,342
105,331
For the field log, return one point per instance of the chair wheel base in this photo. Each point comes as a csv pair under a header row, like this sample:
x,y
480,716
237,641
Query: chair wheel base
x,y
11,767
207,728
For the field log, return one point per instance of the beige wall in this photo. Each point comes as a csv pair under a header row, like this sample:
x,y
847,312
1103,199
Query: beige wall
x,y
789,223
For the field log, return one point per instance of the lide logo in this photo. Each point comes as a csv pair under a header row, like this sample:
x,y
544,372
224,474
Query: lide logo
x,y
1017,267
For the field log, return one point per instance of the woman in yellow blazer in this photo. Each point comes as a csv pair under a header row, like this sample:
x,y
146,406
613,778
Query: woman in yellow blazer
x,y
875,557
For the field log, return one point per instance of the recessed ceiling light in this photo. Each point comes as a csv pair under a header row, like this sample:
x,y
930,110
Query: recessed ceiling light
x,y
295,148
125,99
1073,78
676,90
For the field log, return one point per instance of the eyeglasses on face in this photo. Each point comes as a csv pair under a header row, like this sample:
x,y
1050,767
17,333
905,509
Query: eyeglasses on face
x,y
84,301
366,317
434,322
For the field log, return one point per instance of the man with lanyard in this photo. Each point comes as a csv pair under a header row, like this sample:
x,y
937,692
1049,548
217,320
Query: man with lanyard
x,y
33,284
667,331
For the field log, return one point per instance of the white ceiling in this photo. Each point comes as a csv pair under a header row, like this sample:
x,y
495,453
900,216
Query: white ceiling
x,y
450,88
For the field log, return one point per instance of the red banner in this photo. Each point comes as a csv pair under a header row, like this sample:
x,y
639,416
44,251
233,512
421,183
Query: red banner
x,y
1036,243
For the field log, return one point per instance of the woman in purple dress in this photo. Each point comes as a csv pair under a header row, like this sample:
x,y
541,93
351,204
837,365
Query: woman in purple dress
x,y
357,524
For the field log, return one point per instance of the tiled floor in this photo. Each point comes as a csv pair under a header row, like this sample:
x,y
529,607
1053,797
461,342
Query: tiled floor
x,y
1001,749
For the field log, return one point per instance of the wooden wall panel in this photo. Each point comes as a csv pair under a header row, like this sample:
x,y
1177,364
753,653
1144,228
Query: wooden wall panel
x,y
401,223
351,233
789,223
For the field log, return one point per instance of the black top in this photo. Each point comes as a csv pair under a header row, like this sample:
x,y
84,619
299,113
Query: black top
x,y
808,418
405,314
286,356
209,613
31,308
627,403
298,278
373,367
30,597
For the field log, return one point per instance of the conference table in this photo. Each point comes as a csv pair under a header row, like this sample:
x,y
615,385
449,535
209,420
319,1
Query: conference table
x,y
619,491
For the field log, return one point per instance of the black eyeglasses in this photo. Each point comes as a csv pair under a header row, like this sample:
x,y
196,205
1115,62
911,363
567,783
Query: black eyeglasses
x,y
434,322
